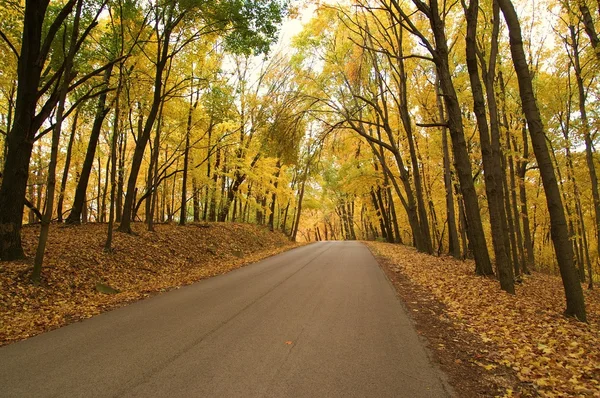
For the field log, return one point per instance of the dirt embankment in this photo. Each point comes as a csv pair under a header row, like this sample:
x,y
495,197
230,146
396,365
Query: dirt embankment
x,y
76,268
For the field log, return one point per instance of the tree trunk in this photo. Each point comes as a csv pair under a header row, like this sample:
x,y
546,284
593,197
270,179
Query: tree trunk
x,y
299,207
152,180
142,141
274,196
560,234
19,140
407,124
585,124
283,225
350,213
408,203
196,200
462,162
512,242
239,179
113,164
590,29
85,212
580,242
213,194
463,229
9,119
394,218
207,189
186,156
453,244
51,184
379,214
102,110
385,216
65,176
121,169
518,263
491,164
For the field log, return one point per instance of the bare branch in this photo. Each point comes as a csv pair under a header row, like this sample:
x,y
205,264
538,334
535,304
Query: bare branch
x,y
14,50
432,124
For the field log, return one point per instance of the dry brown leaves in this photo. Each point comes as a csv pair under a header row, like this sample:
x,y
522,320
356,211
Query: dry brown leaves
x,y
557,356
141,265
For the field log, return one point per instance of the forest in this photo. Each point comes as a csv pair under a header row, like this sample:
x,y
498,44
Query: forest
x,y
462,128
142,140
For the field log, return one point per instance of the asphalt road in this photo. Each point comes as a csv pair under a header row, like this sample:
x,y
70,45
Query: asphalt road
x,y
318,321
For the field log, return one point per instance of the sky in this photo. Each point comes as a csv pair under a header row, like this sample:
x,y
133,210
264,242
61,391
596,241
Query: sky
x,y
293,25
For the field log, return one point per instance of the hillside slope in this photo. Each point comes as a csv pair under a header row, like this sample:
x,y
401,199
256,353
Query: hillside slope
x,y
141,265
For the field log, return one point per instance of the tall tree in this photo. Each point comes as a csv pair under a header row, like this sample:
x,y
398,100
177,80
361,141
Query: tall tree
x,y
35,47
84,175
248,28
559,230
51,183
440,55
491,161
587,130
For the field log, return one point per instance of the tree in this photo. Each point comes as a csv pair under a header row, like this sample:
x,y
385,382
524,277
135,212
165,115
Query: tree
x,y
35,47
491,160
63,89
246,29
440,56
559,231
82,183
37,79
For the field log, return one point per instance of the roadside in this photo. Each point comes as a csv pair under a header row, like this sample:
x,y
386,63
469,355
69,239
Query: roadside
x,y
491,343
79,280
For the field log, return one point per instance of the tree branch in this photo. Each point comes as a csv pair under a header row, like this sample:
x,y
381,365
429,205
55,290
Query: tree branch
x,y
14,50
432,124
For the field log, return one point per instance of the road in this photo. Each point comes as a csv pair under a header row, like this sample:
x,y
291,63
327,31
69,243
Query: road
x,y
317,321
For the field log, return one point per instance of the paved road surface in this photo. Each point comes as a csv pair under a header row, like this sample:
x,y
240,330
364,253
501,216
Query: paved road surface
x,y
318,321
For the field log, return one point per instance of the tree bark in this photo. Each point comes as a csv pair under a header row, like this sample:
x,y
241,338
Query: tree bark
x,y
590,29
585,124
121,168
65,176
20,138
102,110
462,165
382,226
394,218
527,241
407,124
453,244
186,156
491,164
559,231
274,196
113,165
518,263
299,207
213,189
51,183
142,141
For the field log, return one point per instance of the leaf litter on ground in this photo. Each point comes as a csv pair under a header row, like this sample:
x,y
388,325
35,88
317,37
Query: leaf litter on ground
x,y
525,333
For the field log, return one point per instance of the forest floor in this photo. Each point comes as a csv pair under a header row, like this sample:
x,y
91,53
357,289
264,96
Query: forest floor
x,y
140,265
491,343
